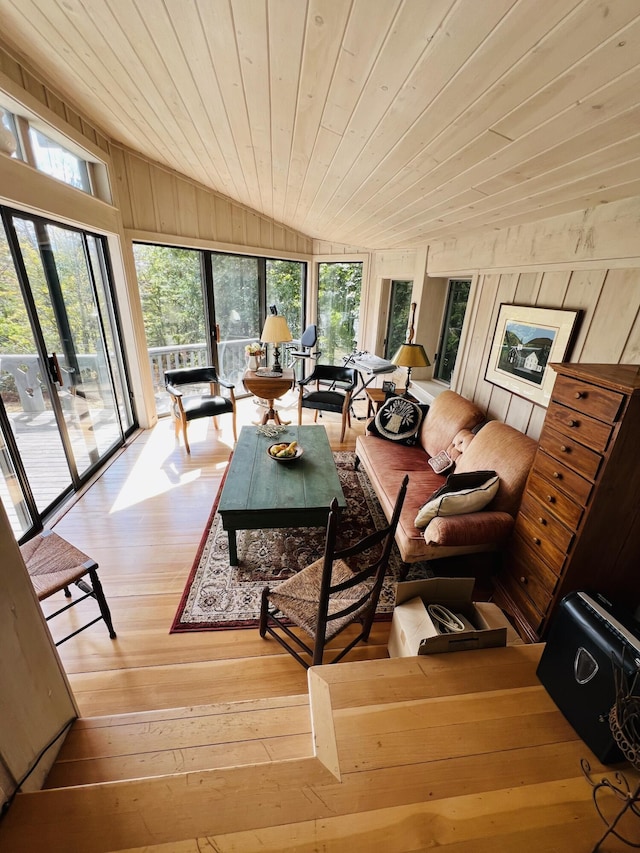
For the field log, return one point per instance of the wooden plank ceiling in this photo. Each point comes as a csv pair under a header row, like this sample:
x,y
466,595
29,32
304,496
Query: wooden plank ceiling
x,y
377,123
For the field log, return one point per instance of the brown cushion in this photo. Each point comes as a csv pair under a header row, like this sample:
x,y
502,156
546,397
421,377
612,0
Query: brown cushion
x,y
447,415
506,451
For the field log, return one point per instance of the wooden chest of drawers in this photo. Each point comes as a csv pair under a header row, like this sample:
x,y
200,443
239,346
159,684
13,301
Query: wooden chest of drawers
x,y
579,521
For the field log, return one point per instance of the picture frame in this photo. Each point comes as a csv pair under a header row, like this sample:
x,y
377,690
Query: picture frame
x,y
388,387
525,341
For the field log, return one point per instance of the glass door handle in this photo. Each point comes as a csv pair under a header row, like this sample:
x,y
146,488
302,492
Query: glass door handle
x,y
54,369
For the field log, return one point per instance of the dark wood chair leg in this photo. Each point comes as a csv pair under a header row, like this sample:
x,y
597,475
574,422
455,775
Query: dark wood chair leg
x,y
264,607
102,601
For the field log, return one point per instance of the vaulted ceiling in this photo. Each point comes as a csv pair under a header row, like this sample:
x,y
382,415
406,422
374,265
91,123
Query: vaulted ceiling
x,y
377,123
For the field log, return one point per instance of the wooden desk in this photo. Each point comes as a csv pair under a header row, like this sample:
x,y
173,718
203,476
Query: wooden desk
x,y
269,388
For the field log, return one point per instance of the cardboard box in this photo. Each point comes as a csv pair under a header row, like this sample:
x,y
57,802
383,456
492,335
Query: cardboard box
x,y
413,632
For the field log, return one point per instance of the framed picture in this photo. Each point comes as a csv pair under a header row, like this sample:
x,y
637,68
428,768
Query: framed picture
x,y
388,387
525,341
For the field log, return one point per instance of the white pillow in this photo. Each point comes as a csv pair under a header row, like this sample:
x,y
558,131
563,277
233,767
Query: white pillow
x,y
470,499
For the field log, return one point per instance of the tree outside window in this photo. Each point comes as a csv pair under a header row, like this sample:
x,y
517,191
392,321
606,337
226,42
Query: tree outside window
x,y
339,289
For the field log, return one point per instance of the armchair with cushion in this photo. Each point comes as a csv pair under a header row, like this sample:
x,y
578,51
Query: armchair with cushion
x,y
331,389
186,407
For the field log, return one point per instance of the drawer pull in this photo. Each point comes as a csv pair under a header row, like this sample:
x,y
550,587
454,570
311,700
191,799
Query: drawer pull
x,y
557,475
523,580
564,448
551,499
536,541
580,394
542,520
573,423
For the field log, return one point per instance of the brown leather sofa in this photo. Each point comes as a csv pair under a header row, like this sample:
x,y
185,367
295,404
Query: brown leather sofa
x,y
495,446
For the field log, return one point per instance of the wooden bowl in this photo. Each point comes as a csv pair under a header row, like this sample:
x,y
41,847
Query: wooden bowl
x,y
298,454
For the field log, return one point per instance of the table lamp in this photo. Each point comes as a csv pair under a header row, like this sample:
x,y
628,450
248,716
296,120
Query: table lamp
x,y
410,356
276,332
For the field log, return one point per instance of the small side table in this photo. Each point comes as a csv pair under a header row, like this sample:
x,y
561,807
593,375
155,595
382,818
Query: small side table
x,y
375,396
269,388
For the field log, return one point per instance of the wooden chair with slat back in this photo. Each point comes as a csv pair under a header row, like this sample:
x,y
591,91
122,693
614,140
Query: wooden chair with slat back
x,y
53,565
327,596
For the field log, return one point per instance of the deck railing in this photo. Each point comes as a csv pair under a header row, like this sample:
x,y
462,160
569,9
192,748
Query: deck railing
x,y
25,369
231,359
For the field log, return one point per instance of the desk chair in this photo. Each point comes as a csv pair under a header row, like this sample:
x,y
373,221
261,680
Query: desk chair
x,y
303,349
329,595
333,388
54,564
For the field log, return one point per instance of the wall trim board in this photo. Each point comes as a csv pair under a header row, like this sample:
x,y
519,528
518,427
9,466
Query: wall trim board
x,y
605,235
630,262
160,239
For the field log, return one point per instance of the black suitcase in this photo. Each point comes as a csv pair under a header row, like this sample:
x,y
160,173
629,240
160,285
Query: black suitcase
x,y
587,638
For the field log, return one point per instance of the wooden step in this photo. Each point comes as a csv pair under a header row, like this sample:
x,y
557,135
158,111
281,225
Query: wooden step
x,y
464,752
203,737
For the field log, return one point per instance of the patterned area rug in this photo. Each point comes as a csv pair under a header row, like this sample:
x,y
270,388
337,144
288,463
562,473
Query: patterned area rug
x,y
219,596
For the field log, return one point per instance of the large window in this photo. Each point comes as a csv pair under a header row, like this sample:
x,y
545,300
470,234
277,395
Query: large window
x,y
457,298
339,287
203,307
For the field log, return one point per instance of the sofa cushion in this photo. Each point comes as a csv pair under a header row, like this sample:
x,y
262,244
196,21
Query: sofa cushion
x,y
501,448
466,530
448,414
398,420
462,493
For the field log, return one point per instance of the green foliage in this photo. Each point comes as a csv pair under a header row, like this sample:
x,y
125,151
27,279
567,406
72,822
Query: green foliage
x,y
456,308
171,294
339,288
398,315
285,290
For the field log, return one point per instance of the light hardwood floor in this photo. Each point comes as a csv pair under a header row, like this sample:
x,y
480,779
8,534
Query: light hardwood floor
x,y
463,752
142,520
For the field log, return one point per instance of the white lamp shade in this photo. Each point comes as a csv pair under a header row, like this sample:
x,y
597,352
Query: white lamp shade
x,y
276,330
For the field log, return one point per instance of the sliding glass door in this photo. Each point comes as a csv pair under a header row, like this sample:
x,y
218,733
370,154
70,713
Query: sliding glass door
x,y
65,405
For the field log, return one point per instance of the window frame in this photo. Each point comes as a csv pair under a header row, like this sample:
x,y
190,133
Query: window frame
x,y
446,327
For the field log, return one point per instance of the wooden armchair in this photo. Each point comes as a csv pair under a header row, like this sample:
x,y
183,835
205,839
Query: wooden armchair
x,y
185,408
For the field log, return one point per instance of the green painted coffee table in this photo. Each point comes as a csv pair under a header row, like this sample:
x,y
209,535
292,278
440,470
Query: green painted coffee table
x,y
260,492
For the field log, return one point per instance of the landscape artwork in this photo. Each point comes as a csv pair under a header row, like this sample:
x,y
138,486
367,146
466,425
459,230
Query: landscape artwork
x,y
525,342
525,350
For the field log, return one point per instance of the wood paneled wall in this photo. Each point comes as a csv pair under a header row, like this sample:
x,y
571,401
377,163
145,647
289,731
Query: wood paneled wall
x,y
156,202
588,262
20,82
